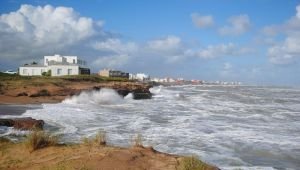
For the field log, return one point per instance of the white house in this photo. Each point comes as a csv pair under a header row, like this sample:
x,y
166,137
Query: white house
x,y
59,66
139,76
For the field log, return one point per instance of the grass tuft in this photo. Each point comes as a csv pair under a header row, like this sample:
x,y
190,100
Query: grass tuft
x,y
40,139
193,163
98,140
138,141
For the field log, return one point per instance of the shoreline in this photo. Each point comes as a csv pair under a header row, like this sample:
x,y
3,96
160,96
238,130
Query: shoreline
x,y
38,90
25,100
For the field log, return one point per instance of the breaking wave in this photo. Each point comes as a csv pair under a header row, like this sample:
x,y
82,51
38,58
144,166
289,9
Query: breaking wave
x,y
103,97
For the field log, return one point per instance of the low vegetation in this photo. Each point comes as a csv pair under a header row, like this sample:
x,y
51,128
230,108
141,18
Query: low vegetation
x,y
13,81
98,140
40,139
16,156
193,163
138,141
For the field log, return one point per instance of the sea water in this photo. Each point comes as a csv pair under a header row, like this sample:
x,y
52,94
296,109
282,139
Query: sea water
x,y
232,127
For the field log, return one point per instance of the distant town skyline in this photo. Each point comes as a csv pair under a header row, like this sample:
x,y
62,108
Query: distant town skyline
x,y
255,42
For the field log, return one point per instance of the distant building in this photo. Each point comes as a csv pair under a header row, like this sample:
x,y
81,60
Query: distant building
x,y
58,65
140,77
113,73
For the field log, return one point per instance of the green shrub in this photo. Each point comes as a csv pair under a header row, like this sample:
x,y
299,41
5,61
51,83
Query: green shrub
x,y
193,163
40,139
47,74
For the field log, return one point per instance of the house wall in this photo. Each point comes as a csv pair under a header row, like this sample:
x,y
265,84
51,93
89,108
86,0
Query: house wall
x,y
104,73
32,71
71,59
63,59
56,58
64,70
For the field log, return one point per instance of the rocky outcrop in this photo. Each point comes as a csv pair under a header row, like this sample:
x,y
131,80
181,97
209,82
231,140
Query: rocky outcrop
x,y
43,92
138,92
26,123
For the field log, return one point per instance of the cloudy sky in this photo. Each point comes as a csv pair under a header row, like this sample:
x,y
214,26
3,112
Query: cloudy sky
x,y
253,41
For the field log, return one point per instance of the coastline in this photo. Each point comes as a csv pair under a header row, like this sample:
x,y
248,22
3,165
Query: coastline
x,y
24,100
90,156
14,99
38,90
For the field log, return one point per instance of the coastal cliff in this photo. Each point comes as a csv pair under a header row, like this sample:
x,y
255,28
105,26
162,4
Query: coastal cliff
x,y
22,90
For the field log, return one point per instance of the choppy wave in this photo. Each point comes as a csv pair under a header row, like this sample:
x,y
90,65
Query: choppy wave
x,y
103,96
230,126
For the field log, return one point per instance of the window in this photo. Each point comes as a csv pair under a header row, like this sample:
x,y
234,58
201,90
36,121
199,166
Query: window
x,y
59,71
24,71
69,71
73,61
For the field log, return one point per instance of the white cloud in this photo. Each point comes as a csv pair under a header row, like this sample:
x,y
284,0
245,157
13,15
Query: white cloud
x,y
219,50
238,25
115,61
271,30
115,45
165,44
202,21
32,31
287,51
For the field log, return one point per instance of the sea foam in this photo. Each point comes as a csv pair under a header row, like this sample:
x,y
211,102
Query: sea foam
x,y
103,96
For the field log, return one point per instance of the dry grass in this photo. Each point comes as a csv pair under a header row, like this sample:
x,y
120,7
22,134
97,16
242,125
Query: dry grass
x,y
138,141
98,140
193,163
40,139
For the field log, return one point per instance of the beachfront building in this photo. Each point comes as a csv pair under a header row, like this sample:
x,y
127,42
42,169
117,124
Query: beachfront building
x,y
58,66
113,73
140,77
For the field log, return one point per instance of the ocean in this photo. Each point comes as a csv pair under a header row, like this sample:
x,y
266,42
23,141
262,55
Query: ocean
x,y
232,127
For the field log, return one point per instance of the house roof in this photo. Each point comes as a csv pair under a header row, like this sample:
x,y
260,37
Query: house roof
x,y
33,65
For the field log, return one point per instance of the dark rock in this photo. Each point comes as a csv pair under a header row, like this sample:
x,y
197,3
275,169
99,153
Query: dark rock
x,y
123,92
23,123
138,96
96,88
6,122
22,94
141,94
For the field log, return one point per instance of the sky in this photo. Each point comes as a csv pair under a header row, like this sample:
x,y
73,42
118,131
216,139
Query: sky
x,y
252,41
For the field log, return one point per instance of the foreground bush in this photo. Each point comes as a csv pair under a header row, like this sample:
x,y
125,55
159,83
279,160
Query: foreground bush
x,y
40,139
193,163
